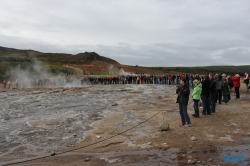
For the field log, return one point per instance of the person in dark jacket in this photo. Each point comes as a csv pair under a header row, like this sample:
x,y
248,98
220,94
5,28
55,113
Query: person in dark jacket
x,y
219,87
183,96
230,85
213,92
225,91
205,96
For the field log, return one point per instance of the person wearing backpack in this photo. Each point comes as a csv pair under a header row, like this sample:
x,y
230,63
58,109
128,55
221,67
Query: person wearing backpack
x,y
196,97
246,81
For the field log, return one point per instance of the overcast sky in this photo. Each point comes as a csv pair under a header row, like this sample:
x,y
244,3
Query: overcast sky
x,y
133,32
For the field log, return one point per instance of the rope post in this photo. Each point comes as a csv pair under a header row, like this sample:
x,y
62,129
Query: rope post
x,y
165,121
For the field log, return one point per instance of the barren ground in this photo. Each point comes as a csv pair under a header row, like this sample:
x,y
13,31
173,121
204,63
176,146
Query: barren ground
x,y
37,122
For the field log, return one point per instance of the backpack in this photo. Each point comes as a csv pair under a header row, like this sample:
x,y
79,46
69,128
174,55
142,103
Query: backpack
x,y
230,83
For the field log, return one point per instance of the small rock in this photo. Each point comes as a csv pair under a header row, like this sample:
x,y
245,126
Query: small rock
x,y
190,157
114,161
184,155
190,147
98,136
115,104
193,139
209,160
149,143
190,161
87,159
151,154
53,153
236,151
75,135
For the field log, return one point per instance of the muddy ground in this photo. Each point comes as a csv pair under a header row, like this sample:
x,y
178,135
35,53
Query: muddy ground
x,y
43,121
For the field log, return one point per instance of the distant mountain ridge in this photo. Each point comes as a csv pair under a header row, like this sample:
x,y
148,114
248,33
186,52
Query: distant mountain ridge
x,y
81,58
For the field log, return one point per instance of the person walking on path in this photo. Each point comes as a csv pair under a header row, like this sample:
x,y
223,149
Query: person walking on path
x,y
183,96
196,97
236,81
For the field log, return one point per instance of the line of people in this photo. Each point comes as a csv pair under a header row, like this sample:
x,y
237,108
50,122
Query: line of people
x,y
209,91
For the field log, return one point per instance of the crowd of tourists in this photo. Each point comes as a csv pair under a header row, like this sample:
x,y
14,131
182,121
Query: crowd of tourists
x,y
210,90
104,80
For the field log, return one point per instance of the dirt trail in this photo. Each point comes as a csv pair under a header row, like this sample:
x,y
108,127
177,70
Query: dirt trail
x,y
75,68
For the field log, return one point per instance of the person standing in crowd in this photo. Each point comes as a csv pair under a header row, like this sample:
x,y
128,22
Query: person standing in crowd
x,y
183,96
230,82
225,90
206,95
213,92
219,86
16,83
196,97
246,81
236,81
9,84
4,83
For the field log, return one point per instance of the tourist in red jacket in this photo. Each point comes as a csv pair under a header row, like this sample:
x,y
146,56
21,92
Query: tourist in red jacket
x,y
236,81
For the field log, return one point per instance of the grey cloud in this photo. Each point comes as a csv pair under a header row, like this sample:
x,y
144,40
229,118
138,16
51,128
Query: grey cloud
x,y
134,32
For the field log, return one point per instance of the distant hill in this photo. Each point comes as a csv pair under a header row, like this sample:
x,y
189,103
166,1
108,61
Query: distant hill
x,y
81,58
93,63
53,62
5,49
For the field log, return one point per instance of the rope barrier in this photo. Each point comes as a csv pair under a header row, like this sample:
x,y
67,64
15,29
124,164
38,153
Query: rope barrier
x,y
56,154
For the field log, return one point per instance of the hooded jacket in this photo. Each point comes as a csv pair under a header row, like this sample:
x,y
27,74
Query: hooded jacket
x,y
197,92
183,94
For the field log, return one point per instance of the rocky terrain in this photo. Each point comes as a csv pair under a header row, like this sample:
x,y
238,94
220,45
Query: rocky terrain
x,y
43,121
